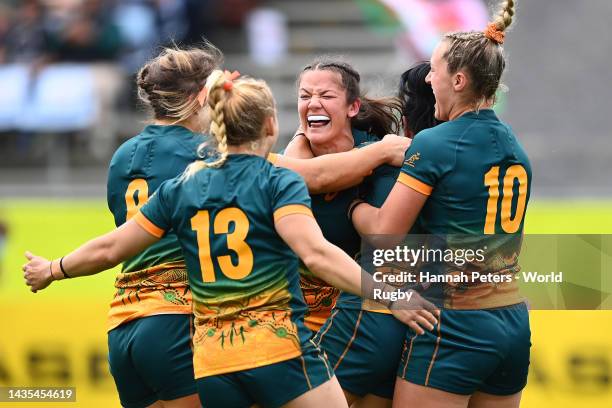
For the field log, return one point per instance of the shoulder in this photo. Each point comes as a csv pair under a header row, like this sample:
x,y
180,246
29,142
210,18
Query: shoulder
x,y
433,139
283,175
440,132
126,149
282,181
363,138
170,188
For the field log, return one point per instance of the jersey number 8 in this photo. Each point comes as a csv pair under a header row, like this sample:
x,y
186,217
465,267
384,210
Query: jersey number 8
x,y
140,188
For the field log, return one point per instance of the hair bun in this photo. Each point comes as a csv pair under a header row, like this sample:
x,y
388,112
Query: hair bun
x,y
493,33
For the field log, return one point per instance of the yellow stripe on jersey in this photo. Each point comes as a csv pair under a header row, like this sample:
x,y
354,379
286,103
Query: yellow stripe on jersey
x,y
292,209
148,225
272,158
414,184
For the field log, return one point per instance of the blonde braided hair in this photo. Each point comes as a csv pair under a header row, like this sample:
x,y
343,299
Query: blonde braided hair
x,y
238,113
505,15
216,101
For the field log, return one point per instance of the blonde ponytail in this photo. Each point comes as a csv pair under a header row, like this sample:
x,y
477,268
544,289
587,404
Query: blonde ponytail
x,y
216,100
239,110
504,17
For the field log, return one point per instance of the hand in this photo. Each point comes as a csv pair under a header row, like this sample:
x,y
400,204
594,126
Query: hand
x,y
395,148
416,312
37,272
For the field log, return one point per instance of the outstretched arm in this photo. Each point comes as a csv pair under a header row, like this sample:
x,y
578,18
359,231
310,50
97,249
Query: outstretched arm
x,y
330,263
339,171
92,257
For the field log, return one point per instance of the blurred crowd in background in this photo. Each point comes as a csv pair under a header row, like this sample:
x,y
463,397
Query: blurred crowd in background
x,y
67,73
67,64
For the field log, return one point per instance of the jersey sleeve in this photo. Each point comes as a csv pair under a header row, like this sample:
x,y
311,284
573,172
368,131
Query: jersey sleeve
x,y
379,185
289,194
155,216
427,160
273,158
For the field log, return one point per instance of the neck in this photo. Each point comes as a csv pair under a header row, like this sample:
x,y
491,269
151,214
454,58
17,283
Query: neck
x,y
254,148
340,143
461,109
186,123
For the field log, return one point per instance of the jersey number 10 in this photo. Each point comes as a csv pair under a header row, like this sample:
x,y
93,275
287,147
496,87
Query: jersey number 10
x,y
508,223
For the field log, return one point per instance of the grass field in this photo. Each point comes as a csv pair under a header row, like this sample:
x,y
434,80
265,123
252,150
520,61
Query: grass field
x,y
570,366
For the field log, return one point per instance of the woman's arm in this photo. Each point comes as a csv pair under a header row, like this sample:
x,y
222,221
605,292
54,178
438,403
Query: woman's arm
x,y
92,257
395,217
330,263
339,171
299,147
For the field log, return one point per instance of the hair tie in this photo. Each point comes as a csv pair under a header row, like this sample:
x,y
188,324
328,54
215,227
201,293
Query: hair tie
x,y
229,77
493,33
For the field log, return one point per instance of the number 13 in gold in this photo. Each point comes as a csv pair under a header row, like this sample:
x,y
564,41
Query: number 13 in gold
x,y
200,223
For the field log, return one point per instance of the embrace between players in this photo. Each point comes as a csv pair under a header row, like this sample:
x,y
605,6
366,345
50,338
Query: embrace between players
x,y
257,250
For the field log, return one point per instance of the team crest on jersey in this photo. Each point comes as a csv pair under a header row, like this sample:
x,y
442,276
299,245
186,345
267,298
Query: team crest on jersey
x,y
412,159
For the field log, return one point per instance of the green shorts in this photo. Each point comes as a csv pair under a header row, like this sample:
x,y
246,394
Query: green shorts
x,y
471,350
151,359
364,349
269,386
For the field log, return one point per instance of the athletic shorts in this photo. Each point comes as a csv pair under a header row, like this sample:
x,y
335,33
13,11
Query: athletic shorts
x,y
151,359
471,350
269,386
364,349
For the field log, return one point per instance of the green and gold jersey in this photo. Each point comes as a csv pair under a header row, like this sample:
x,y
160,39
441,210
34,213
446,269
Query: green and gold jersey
x,y
330,211
375,190
478,179
244,279
154,281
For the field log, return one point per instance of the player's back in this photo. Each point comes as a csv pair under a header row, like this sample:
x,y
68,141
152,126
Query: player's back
x,y
478,179
244,278
137,169
476,172
154,281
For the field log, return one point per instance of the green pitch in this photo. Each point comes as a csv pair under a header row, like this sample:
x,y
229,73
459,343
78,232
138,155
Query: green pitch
x,y
53,228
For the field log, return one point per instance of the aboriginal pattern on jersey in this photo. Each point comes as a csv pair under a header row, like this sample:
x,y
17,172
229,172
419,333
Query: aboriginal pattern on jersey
x,y
157,290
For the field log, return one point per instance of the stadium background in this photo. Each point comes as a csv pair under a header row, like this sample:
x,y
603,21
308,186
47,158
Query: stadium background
x,y
53,155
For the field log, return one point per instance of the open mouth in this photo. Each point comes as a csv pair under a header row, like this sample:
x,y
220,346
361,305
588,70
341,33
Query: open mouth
x,y
316,121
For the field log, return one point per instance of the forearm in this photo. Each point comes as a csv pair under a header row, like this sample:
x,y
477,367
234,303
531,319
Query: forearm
x,y
92,257
106,251
372,225
336,171
340,171
335,267
367,220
